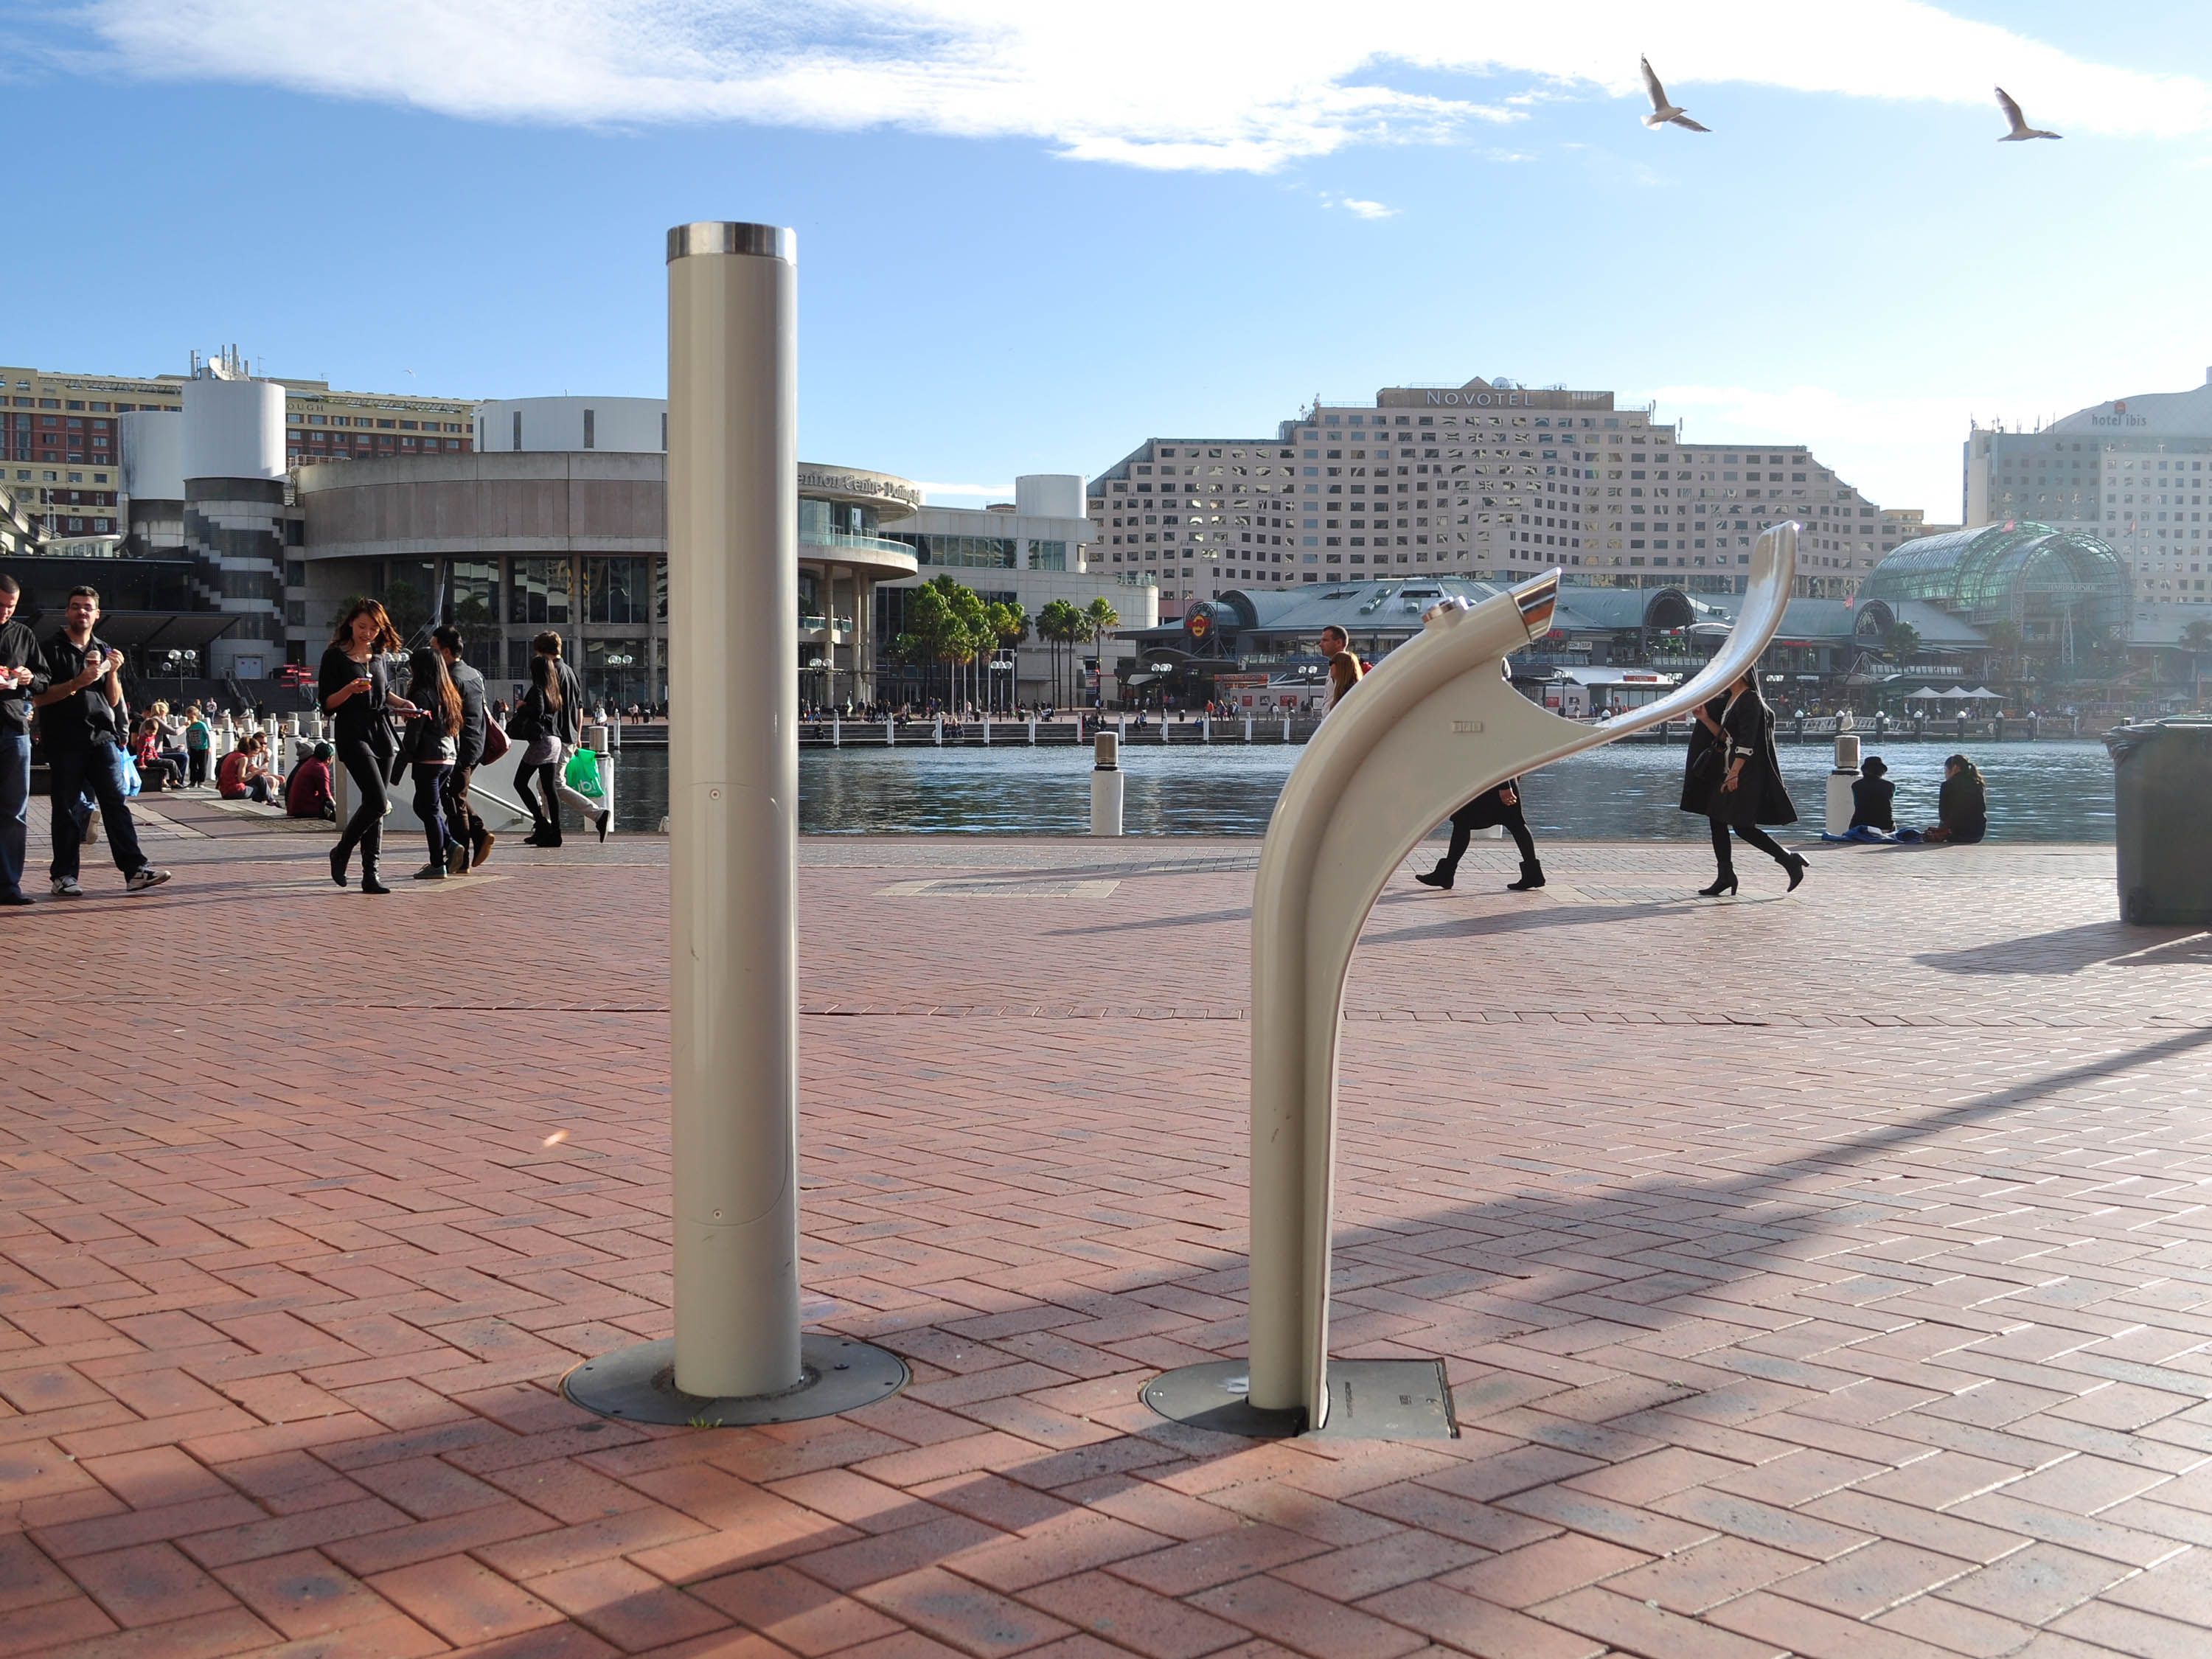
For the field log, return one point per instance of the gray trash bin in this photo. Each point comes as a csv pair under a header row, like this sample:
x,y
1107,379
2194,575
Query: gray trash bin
x,y
2162,796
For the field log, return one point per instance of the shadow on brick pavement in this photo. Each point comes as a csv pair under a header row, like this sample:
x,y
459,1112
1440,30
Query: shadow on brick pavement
x,y
1818,1276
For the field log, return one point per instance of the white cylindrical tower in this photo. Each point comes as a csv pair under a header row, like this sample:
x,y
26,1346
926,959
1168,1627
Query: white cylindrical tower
x,y
232,429
233,459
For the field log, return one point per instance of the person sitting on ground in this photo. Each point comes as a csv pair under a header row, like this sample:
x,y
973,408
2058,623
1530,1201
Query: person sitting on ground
x,y
307,793
1962,807
1874,799
244,773
154,770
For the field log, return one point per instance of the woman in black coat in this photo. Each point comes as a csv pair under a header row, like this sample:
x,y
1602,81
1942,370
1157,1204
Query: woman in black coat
x,y
1747,790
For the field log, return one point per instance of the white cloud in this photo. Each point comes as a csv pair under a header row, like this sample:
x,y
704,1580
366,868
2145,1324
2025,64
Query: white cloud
x,y
1367,209
1235,85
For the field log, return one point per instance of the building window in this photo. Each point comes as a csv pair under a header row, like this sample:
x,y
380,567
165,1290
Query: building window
x,y
591,428
518,428
540,591
616,589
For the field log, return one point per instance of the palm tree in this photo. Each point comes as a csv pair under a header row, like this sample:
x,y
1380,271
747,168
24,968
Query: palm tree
x,y
1010,623
2004,639
1060,623
1099,618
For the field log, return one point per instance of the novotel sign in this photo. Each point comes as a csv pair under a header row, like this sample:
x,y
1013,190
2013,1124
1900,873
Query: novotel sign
x,y
1480,400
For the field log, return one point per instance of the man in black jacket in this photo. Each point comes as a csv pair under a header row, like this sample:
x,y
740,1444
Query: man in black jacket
x,y
18,660
472,842
79,696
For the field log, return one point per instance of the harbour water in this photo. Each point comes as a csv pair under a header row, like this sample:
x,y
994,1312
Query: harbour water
x,y
2038,792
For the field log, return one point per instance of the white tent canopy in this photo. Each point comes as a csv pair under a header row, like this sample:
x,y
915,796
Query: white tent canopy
x,y
1983,694
1923,693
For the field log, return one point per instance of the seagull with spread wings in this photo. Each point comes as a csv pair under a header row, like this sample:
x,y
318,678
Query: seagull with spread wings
x,y
1666,114
2020,127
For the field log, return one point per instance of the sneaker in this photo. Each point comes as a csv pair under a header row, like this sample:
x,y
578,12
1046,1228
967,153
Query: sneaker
x,y
139,880
66,887
431,872
457,859
9,900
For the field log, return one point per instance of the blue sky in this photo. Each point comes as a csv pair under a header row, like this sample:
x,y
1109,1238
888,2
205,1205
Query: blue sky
x,y
1031,237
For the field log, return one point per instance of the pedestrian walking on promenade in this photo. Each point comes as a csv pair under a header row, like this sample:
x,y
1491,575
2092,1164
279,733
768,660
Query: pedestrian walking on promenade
x,y
432,736
19,669
1734,778
553,713
472,842
1498,806
1344,669
357,697
78,693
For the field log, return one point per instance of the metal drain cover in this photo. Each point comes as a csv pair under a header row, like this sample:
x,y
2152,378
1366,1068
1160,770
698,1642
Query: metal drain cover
x,y
1368,1400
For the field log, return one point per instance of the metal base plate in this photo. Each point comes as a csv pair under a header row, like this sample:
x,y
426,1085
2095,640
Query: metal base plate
x,y
638,1384
1368,1400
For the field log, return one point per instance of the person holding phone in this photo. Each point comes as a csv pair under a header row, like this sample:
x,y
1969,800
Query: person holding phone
x,y
358,697
79,697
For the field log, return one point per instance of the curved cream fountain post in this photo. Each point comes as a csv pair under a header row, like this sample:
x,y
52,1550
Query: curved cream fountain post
x,y
1435,725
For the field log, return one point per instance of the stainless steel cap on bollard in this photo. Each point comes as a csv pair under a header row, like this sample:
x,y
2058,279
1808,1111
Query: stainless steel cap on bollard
x,y
1108,752
723,236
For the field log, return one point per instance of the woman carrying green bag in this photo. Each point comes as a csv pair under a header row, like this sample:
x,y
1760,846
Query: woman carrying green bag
x,y
553,713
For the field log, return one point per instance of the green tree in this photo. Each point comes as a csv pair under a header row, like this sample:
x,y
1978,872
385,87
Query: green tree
x,y
1061,625
1901,642
1099,619
408,606
2004,638
2196,639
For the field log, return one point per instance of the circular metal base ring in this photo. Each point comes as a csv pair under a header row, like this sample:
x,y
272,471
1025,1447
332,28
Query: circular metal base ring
x,y
638,1385
1216,1396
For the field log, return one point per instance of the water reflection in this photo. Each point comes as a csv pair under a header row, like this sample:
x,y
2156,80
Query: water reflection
x,y
2038,791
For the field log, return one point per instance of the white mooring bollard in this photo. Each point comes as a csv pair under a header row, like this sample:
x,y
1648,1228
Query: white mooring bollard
x,y
1846,774
1107,785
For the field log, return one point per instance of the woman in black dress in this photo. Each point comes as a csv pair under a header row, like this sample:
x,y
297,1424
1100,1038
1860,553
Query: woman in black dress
x,y
1740,786
358,698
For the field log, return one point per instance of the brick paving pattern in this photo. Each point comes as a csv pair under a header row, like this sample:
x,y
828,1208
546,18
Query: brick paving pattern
x,y
1829,1276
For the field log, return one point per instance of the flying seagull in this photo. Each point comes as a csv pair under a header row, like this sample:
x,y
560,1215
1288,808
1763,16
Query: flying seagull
x,y
2020,127
1662,112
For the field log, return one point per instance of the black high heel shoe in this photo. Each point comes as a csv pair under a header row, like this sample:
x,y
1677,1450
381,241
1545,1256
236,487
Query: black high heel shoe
x,y
1796,867
1720,885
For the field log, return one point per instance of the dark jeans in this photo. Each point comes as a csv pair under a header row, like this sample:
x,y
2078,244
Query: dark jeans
x,y
1515,826
430,807
365,829
1752,835
97,766
461,820
14,809
199,760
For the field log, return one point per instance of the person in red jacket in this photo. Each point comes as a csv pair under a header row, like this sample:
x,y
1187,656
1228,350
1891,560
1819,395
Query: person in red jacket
x,y
307,793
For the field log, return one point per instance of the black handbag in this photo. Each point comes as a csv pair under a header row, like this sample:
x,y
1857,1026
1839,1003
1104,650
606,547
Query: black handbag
x,y
523,725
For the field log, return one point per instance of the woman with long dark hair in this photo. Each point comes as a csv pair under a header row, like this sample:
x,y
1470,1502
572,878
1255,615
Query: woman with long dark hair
x,y
432,742
357,697
552,713
1962,806
1745,788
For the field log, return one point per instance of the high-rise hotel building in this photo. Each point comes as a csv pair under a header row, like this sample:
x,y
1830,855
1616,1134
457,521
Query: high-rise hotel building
x,y
2130,471
1491,479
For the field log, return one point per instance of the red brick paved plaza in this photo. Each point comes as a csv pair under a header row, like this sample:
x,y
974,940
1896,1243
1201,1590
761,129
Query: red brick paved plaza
x,y
1829,1276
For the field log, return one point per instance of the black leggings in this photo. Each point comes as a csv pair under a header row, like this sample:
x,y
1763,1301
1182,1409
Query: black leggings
x,y
1752,835
365,829
1515,826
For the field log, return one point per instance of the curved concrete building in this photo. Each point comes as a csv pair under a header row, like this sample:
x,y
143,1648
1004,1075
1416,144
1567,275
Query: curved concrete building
x,y
511,542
